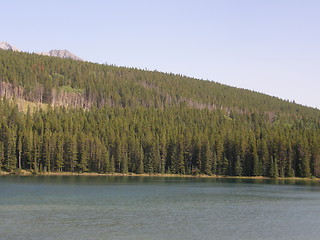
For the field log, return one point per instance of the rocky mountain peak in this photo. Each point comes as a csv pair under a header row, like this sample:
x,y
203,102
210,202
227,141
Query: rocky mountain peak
x,y
8,46
51,53
61,54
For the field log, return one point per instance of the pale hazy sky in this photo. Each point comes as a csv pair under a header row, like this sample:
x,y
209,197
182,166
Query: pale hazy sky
x,y
270,46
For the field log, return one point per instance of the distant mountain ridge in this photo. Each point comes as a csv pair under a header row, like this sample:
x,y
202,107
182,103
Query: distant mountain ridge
x,y
51,53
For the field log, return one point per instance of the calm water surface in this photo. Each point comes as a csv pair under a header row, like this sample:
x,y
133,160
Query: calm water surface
x,y
104,207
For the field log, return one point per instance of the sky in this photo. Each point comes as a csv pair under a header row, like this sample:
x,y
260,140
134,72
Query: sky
x,y
269,46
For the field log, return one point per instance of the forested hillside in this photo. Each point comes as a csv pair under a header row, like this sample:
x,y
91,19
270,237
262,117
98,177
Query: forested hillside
x,y
107,119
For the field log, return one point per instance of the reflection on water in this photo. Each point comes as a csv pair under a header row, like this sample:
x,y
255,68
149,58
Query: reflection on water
x,y
104,179
124,207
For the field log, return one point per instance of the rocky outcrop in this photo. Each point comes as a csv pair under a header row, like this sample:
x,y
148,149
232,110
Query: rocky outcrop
x,y
61,54
8,46
52,53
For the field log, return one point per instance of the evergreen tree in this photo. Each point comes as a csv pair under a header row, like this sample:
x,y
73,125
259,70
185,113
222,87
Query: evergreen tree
x,y
59,153
2,155
207,158
106,157
10,160
273,168
70,153
224,166
82,150
140,164
238,167
256,165
112,164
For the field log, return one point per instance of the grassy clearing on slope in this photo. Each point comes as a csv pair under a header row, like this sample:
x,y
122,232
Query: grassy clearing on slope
x,y
23,106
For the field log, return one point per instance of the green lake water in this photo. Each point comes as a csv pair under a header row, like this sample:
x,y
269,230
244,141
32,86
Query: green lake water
x,y
107,207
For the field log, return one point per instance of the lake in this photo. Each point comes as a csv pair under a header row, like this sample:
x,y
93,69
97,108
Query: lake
x,y
137,208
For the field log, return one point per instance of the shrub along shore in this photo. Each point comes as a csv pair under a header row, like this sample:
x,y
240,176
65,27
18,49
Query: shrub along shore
x,y
32,173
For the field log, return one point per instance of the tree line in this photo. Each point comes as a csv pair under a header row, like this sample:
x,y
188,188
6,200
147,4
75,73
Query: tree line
x,y
148,140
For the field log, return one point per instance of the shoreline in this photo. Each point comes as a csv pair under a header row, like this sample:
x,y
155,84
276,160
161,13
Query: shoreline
x,y
28,173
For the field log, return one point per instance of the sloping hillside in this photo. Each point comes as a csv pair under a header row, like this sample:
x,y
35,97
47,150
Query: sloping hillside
x,y
115,119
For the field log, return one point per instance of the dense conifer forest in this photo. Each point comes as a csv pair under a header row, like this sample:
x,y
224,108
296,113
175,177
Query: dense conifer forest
x,y
109,119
